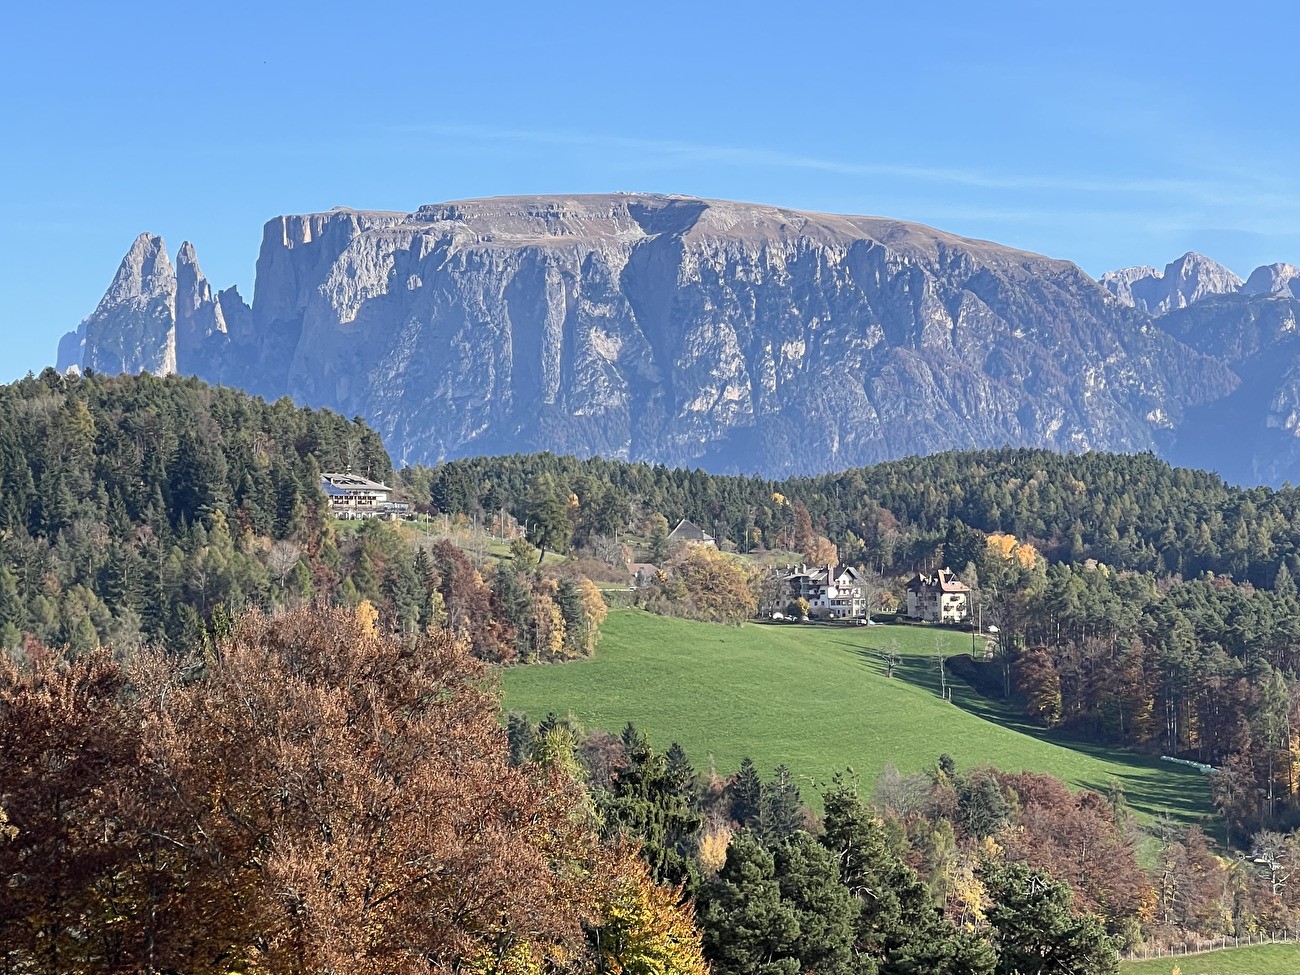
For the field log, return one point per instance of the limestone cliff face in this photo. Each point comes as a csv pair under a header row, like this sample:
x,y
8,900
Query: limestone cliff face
x,y
734,336
134,327
1252,435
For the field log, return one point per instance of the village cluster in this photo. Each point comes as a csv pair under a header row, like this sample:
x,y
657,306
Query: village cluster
x,y
830,592
838,592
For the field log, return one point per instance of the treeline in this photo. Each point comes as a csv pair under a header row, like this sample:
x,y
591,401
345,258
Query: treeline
x,y
1203,669
1129,511
135,510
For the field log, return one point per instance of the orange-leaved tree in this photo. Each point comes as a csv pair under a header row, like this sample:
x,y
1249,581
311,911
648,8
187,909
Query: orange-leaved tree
x,y
308,794
365,780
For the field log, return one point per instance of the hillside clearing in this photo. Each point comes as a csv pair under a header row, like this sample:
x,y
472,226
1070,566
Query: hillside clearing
x,y
817,699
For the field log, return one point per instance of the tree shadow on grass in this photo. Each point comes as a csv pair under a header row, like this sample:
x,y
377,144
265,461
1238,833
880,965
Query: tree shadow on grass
x,y
1151,786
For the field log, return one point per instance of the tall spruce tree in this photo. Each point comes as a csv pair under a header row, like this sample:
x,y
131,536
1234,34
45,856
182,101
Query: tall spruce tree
x,y
746,926
745,794
646,802
898,923
780,808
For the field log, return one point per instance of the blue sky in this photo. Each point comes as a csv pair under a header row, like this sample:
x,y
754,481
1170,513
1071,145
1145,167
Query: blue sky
x,y
1106,133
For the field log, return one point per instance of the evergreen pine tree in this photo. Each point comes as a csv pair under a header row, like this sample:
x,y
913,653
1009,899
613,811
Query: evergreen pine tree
x,y
634,742
1036,929
746,927
808,876
12,615
364,578
898,922
658,539
645,802
121,580
516,602
569,601
745,794
680,765
780,808
403,589
519,732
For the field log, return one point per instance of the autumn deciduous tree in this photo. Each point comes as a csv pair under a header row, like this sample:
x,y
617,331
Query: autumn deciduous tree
x,y
643,928
1073,837
704,584
62,741
373,780
308,794
469,604
1036,678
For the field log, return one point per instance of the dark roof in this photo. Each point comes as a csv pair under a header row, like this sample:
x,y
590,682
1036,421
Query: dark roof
x,y
836,574
345,483
687,531
942,581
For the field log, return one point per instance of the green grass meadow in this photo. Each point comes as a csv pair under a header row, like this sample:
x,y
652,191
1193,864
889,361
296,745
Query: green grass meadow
x,y
1253,960
817,699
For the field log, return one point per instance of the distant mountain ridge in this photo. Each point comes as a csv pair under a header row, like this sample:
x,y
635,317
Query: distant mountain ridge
x,y
1182,282
733,336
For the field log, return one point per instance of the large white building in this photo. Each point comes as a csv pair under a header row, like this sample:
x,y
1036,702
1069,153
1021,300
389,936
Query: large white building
x,y
353,496
940,598
833,591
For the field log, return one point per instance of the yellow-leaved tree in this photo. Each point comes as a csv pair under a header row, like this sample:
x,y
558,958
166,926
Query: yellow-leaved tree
x,y
367,617
644,929
713,847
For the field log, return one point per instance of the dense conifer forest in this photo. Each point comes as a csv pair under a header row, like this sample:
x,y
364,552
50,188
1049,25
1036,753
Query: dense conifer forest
x,y
135,509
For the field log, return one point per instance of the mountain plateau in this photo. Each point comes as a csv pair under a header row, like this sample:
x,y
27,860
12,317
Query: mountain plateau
x,y
733,336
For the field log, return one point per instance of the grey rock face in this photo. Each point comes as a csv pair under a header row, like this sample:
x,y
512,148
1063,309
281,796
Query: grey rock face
x,y
134,327
1120,283
1184,281
1253,435
685,331
1274,279
198,316
71,349
153,317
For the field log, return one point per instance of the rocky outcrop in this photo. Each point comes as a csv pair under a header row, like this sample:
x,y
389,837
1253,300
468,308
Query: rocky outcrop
x,y
72,348
1274,279
672,329
1186,280
1252,435
152,318
1120,283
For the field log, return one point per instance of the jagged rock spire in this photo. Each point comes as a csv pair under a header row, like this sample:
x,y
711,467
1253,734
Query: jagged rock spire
x,y
1188,279
153,317
134,327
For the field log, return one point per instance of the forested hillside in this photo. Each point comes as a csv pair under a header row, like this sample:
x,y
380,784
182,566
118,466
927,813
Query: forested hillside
x,y
131,507
135,509
1129,511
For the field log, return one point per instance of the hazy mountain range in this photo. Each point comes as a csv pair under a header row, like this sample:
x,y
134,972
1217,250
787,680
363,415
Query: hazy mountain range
x,y
727,335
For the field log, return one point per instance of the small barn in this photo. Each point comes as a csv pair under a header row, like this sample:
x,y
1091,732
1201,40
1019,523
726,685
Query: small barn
x,y
689,533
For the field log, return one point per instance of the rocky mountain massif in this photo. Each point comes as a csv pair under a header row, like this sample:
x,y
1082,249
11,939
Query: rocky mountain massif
x,y
732,336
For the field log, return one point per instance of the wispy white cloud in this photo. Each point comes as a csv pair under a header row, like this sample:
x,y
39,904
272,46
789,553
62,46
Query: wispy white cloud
x,y
1239,190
